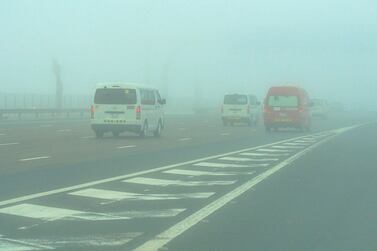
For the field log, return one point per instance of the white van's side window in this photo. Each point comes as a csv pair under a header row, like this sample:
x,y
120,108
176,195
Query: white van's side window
x,y
147,97
159,99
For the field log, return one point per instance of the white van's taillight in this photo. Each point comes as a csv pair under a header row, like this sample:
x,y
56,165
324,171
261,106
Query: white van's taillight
x,y
92,110
248,109
222,109
138,112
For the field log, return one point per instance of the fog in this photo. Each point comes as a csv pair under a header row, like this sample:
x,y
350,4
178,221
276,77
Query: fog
x,y
192,48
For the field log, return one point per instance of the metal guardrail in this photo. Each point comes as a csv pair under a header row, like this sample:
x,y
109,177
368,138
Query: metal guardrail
x,y
37,112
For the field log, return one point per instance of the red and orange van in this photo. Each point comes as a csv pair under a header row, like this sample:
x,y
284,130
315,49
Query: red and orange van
x,y
287,107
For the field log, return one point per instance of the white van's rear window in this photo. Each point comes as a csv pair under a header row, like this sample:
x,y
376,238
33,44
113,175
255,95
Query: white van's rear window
x,y
111,96
235,99
283,101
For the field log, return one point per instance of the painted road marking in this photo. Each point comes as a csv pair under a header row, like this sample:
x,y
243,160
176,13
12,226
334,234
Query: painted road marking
x,y
254,154
286,147
273,150
295,144
116,195
9,144
225,134
264,160
122,147
64,130
201,173
35,158
168,235
18,245
235,159
103,240
305,140
53,213
185,139
220,165
149,171
163,182
2,134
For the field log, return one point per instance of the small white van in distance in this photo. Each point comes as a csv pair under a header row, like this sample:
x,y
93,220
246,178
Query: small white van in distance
x,y
240,108
121,107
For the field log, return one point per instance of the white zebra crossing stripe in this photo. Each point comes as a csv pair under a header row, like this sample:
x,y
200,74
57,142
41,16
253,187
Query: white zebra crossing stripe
x,y
286,147
235,159
103,240
220,165
296,144
162,182
253,154
7,244
201,173
273,150
53,213
264,160
116,195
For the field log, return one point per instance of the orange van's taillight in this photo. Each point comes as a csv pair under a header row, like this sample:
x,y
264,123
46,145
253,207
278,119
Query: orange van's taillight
x,y
92,110
138,112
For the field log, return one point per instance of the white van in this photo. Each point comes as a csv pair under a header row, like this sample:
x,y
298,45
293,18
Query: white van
x,y
120,107
240,108
319,108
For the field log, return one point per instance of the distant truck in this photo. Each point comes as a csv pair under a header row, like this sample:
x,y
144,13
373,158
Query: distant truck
x,y
240,108
287,107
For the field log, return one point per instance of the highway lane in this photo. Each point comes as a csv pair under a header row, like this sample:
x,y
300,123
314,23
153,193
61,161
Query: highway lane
x,y
324,201
85,163
73,152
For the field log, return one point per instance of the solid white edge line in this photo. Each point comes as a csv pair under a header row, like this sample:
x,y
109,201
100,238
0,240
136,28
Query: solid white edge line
x,y
125,176
165,237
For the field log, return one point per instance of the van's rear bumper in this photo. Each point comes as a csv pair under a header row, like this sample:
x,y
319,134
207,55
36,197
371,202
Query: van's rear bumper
x,y
117,128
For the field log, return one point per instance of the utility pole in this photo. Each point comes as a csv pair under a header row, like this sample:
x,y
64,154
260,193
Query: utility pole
x,y
59,85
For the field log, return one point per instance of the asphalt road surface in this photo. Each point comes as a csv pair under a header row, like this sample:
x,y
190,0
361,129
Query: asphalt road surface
x,y
201,186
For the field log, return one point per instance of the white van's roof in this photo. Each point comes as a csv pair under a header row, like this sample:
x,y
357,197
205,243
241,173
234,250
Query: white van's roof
x,y
122,85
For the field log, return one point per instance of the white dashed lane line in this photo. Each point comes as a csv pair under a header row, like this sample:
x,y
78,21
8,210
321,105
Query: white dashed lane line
x,y
122,147
225,134
2,134
185,139
64,130
35,158
9,144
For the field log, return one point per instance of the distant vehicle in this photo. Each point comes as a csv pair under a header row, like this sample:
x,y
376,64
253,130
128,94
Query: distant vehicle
x,y
320,108
285,107
240,108
127,107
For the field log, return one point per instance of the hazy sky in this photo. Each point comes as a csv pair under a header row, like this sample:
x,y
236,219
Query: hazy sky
x,y
212,47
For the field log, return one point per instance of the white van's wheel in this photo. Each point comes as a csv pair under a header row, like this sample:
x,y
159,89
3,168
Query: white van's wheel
x,y
116,134
144,130
157,133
